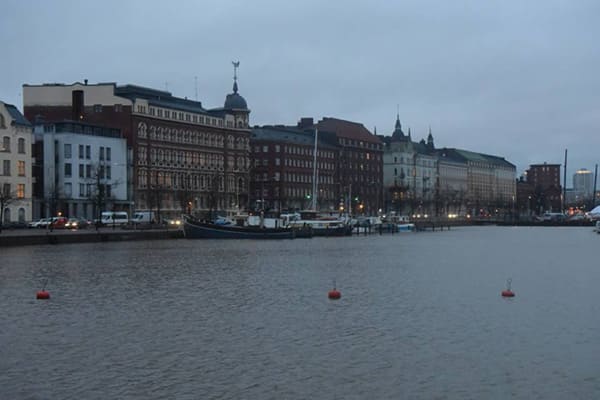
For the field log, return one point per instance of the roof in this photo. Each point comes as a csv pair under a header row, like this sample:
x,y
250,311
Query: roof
x,y
288,134
470,156
348,129
17,117
159,98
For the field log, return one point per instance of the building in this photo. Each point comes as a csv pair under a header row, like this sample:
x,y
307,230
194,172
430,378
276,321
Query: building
x,y
185,158
81,170
409,173
583,183
547,191
283,169
359,165
15,166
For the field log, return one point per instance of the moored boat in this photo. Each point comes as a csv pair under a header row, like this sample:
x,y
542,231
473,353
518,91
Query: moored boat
x,y
194,229
318,226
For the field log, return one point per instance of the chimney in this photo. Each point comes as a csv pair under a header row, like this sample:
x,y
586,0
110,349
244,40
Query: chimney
x,y
85,82
305,123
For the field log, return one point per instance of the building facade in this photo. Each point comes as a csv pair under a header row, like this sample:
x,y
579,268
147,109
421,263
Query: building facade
x,y
84,170
15,166
410,171
545,181
283,170
359,164
184,158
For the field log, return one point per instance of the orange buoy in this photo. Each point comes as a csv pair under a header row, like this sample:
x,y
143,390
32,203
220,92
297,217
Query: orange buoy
x,y
334,294
42,295
508,292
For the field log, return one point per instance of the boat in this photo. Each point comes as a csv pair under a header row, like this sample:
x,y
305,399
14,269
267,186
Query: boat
x,y
194,229
401,223
317,225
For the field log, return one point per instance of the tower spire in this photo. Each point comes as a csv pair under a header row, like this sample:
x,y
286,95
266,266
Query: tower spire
x,y
236,65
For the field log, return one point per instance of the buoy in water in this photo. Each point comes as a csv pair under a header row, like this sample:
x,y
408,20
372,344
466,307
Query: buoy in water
x,y
334,294
508,292
42,295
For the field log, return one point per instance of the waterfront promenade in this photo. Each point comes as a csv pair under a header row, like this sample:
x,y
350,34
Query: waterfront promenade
x,y
24,237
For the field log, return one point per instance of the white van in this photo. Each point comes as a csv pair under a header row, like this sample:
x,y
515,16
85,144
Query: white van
x,y
114,218
143,217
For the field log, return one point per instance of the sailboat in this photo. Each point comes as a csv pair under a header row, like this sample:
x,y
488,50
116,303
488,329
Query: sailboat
x,y
319,225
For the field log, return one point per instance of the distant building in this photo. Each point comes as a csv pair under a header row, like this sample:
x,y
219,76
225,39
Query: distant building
x,y
83,170
15,166
421,179
583,183
545,181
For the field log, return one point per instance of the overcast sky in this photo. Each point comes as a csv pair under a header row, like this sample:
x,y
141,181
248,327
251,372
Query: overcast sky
x,y
509,78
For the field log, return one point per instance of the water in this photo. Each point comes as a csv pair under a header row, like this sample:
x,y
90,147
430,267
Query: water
x,y
420,317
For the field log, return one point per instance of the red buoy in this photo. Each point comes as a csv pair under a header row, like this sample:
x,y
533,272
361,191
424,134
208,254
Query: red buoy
x,y
42,295
334,294
508,292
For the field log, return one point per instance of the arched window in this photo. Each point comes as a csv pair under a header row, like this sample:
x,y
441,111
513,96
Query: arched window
x,y
6,215
21,215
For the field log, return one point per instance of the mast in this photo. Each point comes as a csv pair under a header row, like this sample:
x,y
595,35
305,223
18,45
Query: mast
x,y
314,188
564,196
594,192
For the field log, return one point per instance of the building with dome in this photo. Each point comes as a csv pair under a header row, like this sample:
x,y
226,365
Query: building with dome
x,y
182,157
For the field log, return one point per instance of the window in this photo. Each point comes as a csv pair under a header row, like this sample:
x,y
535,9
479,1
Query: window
x,y
67,150
6,144
21,168
265,149
101,153
81,171
68,190
21,146
88,152
81,190
81,152
108,172
88,171
118,107
6,167
21,215
97,108
67,170
20,190
6,189
108,154
108,193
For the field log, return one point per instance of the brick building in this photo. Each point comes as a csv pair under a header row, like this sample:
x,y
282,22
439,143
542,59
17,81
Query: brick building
x,y
182,156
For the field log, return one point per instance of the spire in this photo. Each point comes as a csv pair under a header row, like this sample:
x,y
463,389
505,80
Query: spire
x,y
398,125
236,65
430,139
409,132
375,130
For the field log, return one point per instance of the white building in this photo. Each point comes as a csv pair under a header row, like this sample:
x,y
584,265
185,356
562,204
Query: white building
x,y
583,183
85,170
15,166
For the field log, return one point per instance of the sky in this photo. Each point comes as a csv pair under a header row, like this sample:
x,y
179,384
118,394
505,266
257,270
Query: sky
x,y
515,79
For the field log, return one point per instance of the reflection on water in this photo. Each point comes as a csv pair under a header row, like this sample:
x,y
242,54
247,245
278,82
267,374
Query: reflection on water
x,y
421,316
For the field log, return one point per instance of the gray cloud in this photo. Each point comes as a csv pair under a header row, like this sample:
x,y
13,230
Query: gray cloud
x,y
506,78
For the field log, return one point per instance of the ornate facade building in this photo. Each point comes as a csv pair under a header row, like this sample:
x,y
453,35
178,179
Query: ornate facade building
x,y
183,158
422,180
15,166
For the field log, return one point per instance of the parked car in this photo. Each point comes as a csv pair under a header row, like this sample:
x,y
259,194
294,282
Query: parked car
x,y
41,223
58,222
77,223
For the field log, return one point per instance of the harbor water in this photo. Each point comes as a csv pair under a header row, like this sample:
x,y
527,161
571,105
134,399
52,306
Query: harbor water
x,y
420,317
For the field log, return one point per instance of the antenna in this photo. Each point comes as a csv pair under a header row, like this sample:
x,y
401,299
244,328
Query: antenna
x,y
196,86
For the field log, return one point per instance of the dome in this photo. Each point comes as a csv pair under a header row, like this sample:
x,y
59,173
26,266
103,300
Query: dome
x,y
235,101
